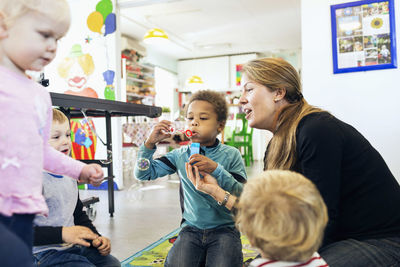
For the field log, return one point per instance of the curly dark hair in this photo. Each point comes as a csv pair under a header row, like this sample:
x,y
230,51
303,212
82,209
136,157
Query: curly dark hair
x,y
214,98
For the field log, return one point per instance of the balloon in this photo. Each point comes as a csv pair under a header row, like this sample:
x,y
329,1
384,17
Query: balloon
x,y
110,24
105,7
95,22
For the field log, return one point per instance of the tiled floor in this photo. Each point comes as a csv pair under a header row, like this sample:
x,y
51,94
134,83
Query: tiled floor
x,y
141,220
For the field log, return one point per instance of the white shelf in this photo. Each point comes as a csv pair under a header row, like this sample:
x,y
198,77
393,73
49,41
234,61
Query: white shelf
x,y
134,95
137,77
140,73
145,66
138,80
139,96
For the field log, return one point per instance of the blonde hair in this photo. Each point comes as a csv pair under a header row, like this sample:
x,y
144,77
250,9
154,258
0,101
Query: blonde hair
x,y
58,116
11,10
275,73
283,214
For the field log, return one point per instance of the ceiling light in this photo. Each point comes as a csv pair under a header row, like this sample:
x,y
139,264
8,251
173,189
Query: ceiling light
x,y
155,36
194,79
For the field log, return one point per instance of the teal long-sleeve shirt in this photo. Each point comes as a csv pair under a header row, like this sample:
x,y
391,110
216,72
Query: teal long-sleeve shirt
x,y
199,209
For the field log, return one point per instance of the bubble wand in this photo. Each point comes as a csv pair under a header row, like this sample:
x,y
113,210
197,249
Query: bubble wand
x,y
186,132
143,164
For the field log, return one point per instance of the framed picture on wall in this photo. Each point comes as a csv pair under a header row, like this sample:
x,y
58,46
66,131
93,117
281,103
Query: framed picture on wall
x,y
363,36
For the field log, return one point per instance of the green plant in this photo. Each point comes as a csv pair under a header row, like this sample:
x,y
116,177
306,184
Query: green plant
x,y
165,109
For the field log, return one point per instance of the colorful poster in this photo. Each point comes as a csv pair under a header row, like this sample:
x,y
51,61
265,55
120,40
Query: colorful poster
x,y
87,57
84,140
238,73
362,36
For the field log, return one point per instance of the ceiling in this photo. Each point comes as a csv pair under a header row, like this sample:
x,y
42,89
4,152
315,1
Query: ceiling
x,y
201,28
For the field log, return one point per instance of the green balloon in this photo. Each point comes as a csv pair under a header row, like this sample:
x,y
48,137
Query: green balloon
x,y
105,7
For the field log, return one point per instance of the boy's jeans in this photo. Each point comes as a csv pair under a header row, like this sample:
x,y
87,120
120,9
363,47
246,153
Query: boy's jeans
x,y
195,247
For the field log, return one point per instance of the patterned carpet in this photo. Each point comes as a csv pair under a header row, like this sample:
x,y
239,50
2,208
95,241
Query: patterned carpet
x,y
155,254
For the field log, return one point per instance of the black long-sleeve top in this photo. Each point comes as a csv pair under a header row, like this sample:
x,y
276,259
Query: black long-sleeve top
x,y
361,194
46,235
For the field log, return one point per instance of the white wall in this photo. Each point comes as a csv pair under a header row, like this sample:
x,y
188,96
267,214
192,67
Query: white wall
x,y
155,58
106,56
166,83
367,100
214,72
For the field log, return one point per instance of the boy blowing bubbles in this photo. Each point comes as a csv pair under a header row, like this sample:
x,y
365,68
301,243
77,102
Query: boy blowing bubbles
x,y
208,232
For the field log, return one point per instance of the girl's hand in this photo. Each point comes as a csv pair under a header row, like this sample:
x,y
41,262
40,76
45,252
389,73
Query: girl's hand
x,y
103,245
207,184
77,235
160,132
203,163
92,173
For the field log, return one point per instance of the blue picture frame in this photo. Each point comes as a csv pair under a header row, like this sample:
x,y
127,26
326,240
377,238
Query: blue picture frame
x,y
363,36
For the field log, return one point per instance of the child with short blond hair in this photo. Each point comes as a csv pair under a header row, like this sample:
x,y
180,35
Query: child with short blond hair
x,y
67,237
29,32
283,215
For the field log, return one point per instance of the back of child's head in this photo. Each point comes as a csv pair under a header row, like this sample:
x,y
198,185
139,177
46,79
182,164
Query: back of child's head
x,y
56,9
216,99
59,116
283,214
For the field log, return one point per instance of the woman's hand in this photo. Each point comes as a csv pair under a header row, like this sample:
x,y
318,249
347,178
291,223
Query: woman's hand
x,y
103,245
77,235
160,132
203,163
207,184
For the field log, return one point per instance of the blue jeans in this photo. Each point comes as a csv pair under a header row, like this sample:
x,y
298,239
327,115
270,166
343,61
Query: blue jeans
x,y
195,247
76,256
372,253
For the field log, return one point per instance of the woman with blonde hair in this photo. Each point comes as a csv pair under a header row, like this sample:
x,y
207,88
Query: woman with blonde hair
x,y
361,194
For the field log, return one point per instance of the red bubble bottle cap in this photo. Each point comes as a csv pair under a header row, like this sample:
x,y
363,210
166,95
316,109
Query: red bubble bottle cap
x,y
188,133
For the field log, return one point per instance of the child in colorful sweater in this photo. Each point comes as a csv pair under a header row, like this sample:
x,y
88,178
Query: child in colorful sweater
x,y
208,235
65,236
29,31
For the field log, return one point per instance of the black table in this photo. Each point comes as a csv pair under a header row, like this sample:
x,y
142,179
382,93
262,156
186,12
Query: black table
x,y
73,106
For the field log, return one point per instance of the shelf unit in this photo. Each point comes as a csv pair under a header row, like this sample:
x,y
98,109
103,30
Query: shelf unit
x,y
72,106
137,79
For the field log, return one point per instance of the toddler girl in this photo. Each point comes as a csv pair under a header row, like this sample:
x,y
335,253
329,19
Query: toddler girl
x,y
29,31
